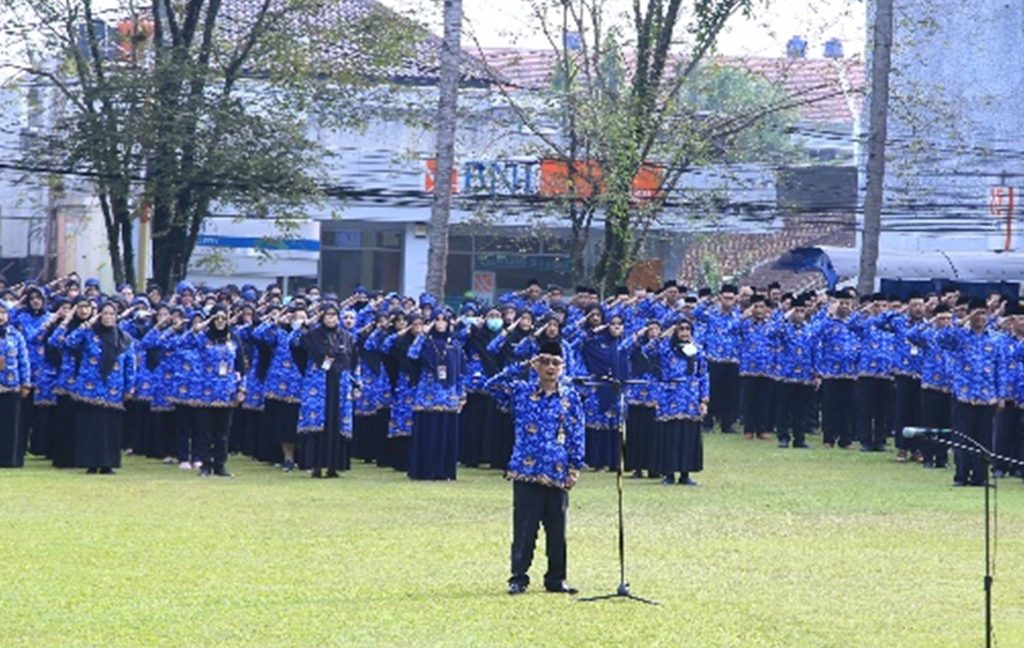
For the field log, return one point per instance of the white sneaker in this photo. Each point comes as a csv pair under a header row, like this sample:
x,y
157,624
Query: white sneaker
x,y
197,464
184,465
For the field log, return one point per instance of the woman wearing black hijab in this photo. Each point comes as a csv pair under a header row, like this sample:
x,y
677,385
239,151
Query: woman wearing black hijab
x,y
15,385
325,415
438,400
106,378
480,415
69,361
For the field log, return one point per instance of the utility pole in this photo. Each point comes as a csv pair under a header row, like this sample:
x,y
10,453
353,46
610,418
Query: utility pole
x,y
440,210
878,114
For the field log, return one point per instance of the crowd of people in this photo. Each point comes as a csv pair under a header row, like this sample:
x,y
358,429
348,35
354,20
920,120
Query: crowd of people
x,y
310,381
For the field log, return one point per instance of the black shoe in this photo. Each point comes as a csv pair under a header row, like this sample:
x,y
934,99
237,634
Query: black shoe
x,y
91,471
516,588
783,444
802,446
668,481
107,471
959,484
205,472
221,472
316,474
637,474
561,588
686,481
332,475
288,465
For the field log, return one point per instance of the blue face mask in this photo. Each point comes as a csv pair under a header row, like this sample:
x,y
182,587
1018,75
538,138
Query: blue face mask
x,y
494,324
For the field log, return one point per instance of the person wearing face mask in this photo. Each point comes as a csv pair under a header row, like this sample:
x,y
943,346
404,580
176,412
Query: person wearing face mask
x,y
283,385
681,402
438,400
325,414
15,386
62,446
641,400
218,388
106,378
502,347
480,414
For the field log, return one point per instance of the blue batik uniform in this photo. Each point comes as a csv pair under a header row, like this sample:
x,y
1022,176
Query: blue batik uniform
x,y
935,362
400,424
1015,370
33,330
147,378
432,394
797,348
166,375
284,379
216,381
838,348
186,377
756,348
721,332
684,381
877,350
91,386
549,437
979,364
313,405
67,373
255,384
376,387
909,356
16,372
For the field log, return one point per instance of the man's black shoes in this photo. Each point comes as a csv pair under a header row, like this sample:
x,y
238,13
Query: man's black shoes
x,y
561,588
516,588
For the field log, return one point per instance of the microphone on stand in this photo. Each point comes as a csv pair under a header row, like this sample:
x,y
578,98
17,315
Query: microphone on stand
x,y
911,432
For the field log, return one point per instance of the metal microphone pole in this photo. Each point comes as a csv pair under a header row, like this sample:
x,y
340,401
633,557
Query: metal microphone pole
x,y
987,456
622,591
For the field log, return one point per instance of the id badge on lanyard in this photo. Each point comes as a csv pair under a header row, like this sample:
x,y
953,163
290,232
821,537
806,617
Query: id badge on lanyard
x,y
442,372
222,368
327,363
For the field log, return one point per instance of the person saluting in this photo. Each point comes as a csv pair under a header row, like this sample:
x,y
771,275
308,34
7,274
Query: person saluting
x,y
545,463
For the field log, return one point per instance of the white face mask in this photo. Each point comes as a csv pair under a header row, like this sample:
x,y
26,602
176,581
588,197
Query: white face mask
x,y
689,349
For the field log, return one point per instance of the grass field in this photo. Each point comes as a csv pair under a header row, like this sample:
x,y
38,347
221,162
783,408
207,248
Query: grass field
x,y
776,548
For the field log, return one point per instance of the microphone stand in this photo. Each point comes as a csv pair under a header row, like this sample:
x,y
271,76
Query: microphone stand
x,y
622,591
978,449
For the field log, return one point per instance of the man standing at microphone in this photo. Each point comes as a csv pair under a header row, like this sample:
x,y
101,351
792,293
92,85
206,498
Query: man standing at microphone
x,y
545,464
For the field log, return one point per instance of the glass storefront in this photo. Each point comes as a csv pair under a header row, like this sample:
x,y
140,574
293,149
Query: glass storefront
x,y
360,253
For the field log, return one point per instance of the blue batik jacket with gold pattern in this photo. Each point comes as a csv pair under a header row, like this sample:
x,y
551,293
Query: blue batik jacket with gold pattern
x,y
15,367
90,386
549,433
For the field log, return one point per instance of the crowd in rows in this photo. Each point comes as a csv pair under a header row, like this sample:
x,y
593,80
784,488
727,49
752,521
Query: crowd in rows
x,y
308,381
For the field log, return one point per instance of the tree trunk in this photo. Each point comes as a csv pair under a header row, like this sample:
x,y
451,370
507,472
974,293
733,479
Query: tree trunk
x,y
881,63
440,210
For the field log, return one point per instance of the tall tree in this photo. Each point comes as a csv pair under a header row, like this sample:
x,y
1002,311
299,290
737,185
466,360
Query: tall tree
x,y
185,104
636,110
448,94
878,114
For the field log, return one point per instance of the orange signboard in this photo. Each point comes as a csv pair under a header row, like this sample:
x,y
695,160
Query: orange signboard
x,y
555,180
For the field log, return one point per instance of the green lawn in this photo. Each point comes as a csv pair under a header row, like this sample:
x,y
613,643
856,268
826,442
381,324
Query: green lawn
x,y
776,548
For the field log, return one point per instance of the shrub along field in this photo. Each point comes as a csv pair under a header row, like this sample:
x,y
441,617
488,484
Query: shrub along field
x,y
774,548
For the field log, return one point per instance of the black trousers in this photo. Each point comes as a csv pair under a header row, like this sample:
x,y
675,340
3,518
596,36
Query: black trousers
x,y
532,505
213,425
874,398
1008,436
756,393
837,410
908,411
725,391
936,412
973,422
796,408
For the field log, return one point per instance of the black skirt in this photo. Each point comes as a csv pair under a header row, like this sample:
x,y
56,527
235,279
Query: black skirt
x,y
435,445
679,447
12,453
44,418
363,436
62,439
382,449
640,436
283,419
97,436
478,419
